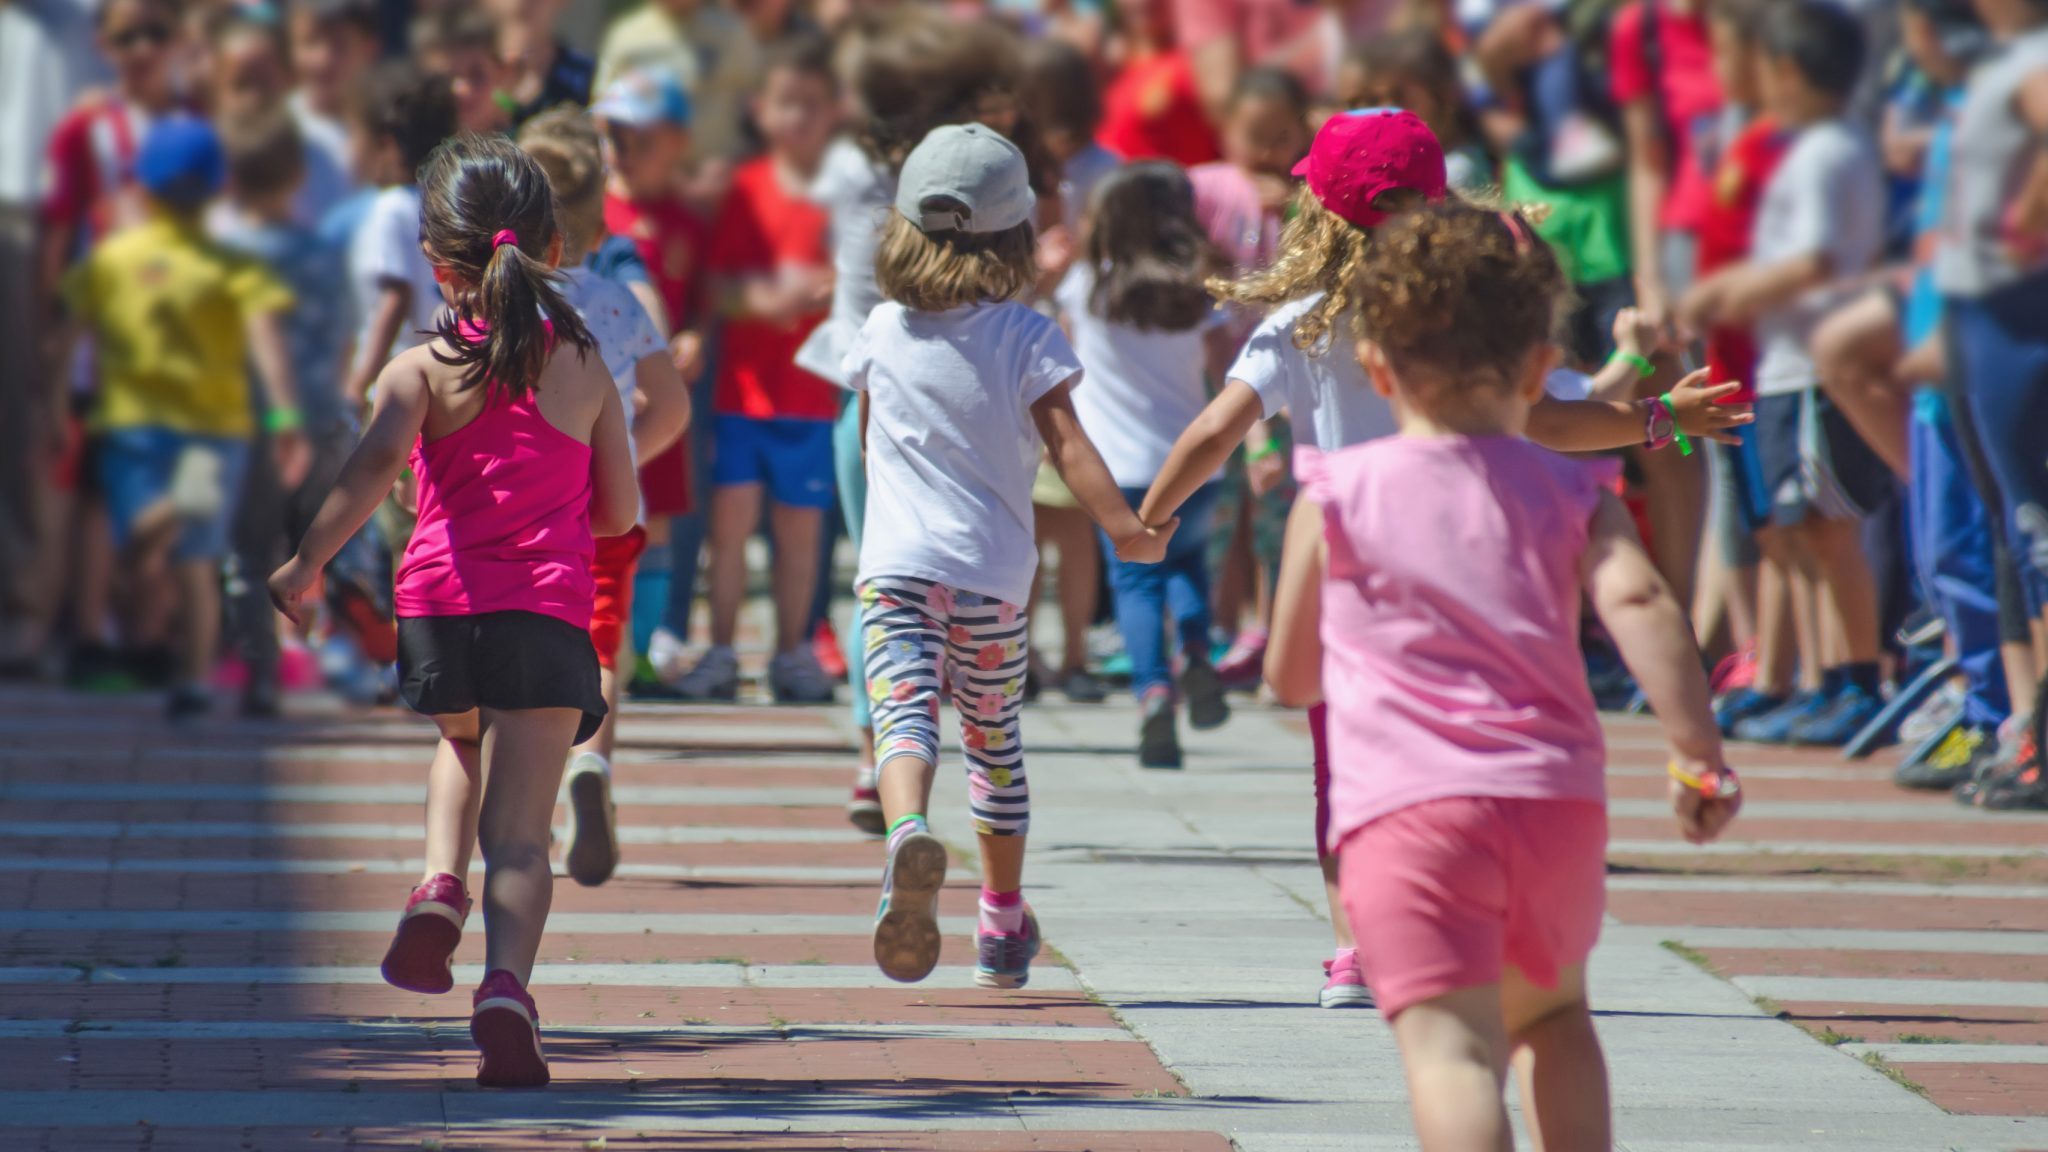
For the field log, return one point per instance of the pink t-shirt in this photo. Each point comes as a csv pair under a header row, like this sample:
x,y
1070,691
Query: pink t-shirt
x,y
1450,626
504,520
1227,205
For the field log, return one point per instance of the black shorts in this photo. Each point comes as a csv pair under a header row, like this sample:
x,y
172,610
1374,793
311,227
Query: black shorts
x,y
1812,464
501,660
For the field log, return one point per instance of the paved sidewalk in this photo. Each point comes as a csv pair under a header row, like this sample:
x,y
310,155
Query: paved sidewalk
x,y
190,924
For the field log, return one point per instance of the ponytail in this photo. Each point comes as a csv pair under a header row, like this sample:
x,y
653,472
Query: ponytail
x,y
487,216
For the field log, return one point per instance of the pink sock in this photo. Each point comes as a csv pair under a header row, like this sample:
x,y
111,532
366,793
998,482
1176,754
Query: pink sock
x,y
1002,913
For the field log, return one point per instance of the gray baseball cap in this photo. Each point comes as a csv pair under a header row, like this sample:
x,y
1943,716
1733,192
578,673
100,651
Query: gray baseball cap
x,y
975,167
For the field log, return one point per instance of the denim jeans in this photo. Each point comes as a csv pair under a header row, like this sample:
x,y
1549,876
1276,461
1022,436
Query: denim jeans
x,y
1146,594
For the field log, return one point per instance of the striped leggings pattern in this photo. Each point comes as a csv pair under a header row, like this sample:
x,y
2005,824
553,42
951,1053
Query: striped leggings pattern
x,y
919,635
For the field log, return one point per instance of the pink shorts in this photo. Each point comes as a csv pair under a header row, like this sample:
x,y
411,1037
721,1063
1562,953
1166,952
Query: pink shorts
x,y
1443,894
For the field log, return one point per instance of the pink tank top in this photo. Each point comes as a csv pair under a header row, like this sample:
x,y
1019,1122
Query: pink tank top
x,y
504,521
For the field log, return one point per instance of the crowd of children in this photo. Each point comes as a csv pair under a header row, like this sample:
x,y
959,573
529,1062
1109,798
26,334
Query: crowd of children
x,y
1353,357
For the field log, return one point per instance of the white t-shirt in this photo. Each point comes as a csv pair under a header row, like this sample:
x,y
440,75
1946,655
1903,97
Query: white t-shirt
x,y
1141,389
1327,396
624,333
951,445
386,246
857,195
328,180
1826,196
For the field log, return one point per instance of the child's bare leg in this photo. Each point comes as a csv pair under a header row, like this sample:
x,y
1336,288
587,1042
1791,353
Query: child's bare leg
x,y
1075,535
1847,589
1558,1063
1777,634
1002,862
454,786
1675,489
1340,924
1455,1049
523,751
906,786
798,534
735,510
199,589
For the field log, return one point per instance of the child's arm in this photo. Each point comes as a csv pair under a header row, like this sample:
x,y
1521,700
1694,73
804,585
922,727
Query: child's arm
x,y
394,304
614,488
365,480
1202,450
664,413
1650,630
273,360
1749,290
1074,457
1597,425
1294,652
1636,341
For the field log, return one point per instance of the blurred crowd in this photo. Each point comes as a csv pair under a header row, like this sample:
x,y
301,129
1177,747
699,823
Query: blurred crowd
x,y
1841,206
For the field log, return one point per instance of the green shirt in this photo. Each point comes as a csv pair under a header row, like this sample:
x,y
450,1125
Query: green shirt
x,y
1587,225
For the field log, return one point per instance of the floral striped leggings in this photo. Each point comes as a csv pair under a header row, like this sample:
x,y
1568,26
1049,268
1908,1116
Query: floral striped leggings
x,y
919,635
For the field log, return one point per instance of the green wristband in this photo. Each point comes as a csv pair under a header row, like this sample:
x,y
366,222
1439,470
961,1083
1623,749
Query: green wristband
x,y
283,420
1642,365
1677,433
1264,451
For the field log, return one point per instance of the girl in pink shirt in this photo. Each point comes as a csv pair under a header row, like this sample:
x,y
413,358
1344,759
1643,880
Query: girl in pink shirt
x,y
1467,791
517,436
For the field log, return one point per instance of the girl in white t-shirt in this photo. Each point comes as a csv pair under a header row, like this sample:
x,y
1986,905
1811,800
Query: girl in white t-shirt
x,y
1143,323
958,382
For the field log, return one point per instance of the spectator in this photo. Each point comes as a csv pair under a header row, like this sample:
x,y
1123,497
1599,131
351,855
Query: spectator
x,y
333,47
1151,108
462,45
1662,78
540,71
1414,70
251,76
1226,38
706,48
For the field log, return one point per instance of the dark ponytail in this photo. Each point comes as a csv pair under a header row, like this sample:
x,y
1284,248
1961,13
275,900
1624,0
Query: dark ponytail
x,y
487,215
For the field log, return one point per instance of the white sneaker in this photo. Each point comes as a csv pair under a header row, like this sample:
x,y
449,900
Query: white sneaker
x,y
593,823
667,654
716,677
1935,715
796,678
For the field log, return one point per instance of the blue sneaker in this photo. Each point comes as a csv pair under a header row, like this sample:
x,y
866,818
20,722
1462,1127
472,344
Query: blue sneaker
x,y
1775,726
1852,709
1005,960
1743,703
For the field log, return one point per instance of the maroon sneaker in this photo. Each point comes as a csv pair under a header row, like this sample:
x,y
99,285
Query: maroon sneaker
x,y
506,1028
422,953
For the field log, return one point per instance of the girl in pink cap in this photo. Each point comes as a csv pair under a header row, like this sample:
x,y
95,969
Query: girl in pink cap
x,y
517,435
1364,168
1467,798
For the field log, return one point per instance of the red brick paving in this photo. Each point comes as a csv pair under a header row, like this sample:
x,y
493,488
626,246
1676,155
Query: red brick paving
x,y
327,949
1947,1023
1981,1089
2023,833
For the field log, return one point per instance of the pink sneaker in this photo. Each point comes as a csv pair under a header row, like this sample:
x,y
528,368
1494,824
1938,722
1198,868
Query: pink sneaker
x,y
1736,670
506,1028
422,953
1245,662
1345,985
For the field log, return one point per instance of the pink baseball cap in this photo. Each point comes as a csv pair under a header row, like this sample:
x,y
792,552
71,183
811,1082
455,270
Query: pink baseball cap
x,y
1359,154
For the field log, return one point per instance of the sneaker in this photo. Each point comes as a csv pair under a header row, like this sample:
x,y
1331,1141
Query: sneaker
x,y
794,677
1005,958
2014,783
1937,714
715,677
1079,687
506,1028
1158,743
1243,664
593,821
647,684
1582,150
188,703
1850,712
1954,757
98,668
422,952
864,811
1775,726
826,650
1343,983
1742,704
1736,670
1207,709
666,654
907,921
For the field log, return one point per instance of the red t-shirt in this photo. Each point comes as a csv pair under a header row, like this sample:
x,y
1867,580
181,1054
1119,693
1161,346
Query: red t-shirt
x,y
671,238
1151,111
761,229
1724,230
91,157
1686,92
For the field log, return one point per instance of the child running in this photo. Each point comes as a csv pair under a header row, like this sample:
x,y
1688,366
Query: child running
x,y
1468,762
1140,317
518,438
957,383
1364,167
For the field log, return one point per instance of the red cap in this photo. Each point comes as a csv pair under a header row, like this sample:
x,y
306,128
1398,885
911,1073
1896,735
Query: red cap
x,y
1358,155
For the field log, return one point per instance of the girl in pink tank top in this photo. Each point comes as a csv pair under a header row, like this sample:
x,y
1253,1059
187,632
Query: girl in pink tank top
x,y
1467,767
517,438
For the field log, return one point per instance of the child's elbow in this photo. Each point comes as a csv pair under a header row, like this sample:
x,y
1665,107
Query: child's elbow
x,y
1291,688
613,517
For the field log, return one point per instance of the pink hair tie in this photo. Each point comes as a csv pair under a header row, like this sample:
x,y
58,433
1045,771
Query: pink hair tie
x,y
505,236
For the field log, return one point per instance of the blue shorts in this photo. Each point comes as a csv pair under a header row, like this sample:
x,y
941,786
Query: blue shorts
x,y
139,466
792,457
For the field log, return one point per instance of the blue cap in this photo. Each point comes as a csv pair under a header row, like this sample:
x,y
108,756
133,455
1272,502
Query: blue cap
x,y
645,97
181,161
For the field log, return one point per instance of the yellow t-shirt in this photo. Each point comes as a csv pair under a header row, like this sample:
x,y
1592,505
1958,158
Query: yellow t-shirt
x,y
167,310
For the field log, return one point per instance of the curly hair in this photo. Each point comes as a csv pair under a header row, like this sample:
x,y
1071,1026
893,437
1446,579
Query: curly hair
x,y
1319,252
1458,294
